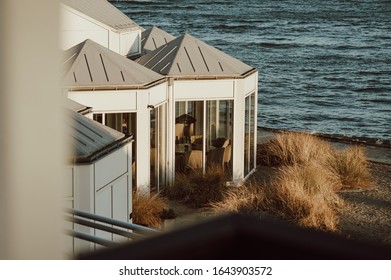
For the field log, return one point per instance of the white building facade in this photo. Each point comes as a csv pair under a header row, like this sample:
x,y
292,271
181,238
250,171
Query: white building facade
x,y
101,22
219,94
97,178
184,77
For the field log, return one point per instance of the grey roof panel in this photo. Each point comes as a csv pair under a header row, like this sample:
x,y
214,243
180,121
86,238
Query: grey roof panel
x,y
153,38
89,137
75,106
90,65
188,56
102,11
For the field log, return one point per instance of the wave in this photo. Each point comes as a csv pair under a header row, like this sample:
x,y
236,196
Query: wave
x,y
234,26
277,45
372,90
323,103
383,101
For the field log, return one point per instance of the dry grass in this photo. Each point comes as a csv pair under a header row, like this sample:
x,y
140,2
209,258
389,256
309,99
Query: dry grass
x,y
304,194
304,190
249,200
196,189
310,172
296,148
301,194
147,210
350,167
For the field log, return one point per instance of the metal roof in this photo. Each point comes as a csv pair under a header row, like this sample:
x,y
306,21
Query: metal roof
x,y
153,38
90,139
76,107
104,12
89,65
187,56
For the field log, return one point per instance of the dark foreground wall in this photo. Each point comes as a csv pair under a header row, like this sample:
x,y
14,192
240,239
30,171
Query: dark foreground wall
x,y
241,237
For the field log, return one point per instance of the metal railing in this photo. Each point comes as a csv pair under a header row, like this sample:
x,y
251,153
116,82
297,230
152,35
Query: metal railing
x,y
130,231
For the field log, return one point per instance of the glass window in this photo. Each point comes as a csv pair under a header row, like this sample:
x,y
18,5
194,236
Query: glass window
x,y
249,137
203,135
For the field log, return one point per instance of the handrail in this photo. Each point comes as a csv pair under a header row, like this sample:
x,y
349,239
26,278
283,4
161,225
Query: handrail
x,y
137,228
131,231
91,238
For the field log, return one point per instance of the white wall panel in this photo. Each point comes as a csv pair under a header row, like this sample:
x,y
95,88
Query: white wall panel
x,y
106,101
111,167
203,89
120,203
250,83
130,43
114,41
158,94
76,29
84,187
103,204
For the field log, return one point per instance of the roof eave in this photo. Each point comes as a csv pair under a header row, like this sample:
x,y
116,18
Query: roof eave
x,y
90,158
214,77
116,87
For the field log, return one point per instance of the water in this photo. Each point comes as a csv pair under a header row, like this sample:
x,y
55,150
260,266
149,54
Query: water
x,y
324,65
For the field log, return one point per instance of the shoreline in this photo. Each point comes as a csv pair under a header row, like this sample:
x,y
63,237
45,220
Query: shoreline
x,y
377,150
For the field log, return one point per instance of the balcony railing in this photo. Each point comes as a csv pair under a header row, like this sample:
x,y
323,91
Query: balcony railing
x,y
130,231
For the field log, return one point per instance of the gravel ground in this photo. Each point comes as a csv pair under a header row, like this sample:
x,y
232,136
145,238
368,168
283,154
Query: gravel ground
x,y
368,212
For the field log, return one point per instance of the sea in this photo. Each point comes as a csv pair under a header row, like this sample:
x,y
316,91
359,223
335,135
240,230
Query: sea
x,y
324,65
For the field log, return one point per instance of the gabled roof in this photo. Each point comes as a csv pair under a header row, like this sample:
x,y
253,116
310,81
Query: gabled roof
x,y
153,38
90,139
187,56
89,65
104,12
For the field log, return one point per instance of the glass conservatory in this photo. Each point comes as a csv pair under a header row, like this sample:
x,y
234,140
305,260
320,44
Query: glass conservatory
x,y
212,110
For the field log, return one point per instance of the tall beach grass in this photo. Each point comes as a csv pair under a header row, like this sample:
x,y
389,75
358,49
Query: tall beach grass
x,y
196,189
305,189
147,210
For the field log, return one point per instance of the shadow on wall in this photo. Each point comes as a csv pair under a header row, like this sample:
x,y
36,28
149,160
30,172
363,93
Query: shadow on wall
x,y
240,237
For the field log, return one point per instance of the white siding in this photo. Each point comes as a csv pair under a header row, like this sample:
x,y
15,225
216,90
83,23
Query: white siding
x,y
250,83
130,43
103,204
120,201
106,101
158,94
76,27
203,89
111,167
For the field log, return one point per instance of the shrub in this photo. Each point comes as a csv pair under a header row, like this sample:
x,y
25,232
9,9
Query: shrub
x,y
147,210
304,194
350,167
295,148
196,189
247,200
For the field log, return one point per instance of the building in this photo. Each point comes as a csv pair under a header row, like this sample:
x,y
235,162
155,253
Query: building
x,y
98,175
213,106
125,96
187,104
101,22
